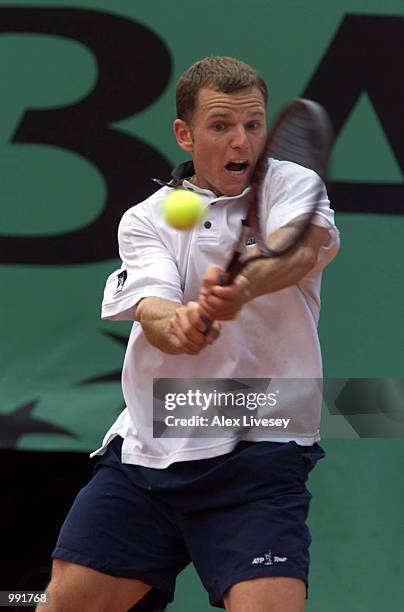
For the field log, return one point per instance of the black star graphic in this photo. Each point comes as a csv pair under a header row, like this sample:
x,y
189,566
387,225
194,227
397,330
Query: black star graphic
x,y
15,424
112,376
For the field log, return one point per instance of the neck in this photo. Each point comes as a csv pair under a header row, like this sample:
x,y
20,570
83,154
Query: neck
x,y
194,180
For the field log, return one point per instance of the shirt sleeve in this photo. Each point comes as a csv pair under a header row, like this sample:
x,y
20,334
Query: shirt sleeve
x,y
148,268
288,193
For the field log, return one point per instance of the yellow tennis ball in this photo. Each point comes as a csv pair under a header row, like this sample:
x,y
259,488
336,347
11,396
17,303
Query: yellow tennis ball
x,y
183,208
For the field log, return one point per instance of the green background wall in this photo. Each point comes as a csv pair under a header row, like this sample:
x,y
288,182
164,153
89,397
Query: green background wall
x,y
60,365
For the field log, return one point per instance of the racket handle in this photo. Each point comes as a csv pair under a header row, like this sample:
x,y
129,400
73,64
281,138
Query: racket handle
x,y
208,324
222,281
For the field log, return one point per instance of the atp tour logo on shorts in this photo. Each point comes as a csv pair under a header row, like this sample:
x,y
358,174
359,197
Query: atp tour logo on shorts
x,y
268,559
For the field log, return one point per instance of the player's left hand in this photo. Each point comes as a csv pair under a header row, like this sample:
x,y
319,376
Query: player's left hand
x,y
222,303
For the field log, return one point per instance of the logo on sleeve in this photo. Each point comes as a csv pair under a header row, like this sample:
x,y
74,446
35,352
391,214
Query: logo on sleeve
x,y
122,276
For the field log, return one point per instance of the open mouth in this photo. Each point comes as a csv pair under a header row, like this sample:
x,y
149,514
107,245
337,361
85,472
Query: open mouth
x,y
237,167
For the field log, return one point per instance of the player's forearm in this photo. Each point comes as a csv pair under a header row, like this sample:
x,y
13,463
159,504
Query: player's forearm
x,y
270,275
154,315
222,303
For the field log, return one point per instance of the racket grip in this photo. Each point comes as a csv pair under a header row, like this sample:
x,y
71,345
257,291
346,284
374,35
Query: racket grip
x,y
208,324
223,281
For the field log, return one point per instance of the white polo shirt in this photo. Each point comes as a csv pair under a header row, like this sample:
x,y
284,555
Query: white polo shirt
x,y
273,336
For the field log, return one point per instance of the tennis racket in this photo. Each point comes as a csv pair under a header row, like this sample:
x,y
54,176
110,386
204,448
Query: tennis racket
x,y
301,134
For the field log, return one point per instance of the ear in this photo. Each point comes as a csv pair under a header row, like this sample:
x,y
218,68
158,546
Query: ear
x,y
183,134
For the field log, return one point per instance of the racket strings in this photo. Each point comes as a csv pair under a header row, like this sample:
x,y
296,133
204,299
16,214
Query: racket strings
x,y
297,141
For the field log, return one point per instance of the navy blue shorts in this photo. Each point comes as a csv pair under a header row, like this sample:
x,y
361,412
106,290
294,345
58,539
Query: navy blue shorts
x,y
237,516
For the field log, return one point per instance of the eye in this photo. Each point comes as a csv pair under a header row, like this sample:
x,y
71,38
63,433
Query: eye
x,y
253,126
219,126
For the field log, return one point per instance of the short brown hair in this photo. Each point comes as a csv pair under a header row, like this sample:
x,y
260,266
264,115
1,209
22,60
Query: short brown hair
x,y
225,74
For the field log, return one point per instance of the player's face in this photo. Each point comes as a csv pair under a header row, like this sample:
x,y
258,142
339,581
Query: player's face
x,y
226,135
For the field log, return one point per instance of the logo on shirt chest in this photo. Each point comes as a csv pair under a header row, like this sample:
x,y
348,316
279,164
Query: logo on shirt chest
x,y
249,239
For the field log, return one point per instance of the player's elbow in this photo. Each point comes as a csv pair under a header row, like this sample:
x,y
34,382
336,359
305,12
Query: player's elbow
x,y
306,259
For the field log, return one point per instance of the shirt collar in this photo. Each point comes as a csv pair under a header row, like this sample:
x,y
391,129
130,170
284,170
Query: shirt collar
x,y
186,170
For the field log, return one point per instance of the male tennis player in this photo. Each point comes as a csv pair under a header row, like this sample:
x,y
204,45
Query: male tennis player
x,y
235,506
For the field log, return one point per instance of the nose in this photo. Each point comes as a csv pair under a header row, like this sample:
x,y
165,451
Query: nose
x,y
239,139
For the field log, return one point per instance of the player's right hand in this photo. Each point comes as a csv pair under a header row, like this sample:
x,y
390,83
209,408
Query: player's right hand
x,y
187,330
